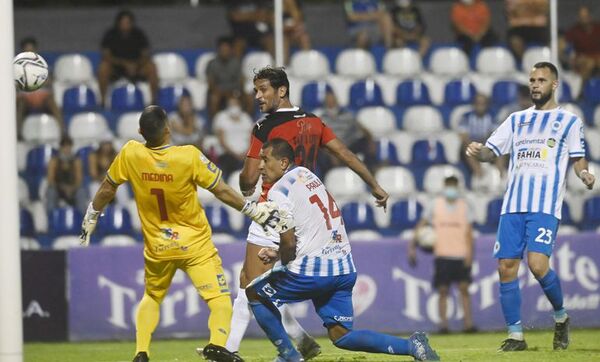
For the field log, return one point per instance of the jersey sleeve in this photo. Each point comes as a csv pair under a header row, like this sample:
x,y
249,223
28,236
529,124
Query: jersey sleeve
x,y
256,143
282,201
206,174
118,172
575,140
500,142
327,134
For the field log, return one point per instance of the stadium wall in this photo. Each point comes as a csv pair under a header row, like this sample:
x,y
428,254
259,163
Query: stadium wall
x,y
79,29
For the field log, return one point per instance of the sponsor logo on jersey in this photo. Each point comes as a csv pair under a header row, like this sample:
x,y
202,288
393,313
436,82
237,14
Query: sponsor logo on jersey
x,y
341,318
161,164
556,125
551,142
169,234
313,184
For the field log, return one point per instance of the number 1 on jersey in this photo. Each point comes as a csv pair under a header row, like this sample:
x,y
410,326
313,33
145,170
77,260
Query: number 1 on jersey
x,y
162,205
333,211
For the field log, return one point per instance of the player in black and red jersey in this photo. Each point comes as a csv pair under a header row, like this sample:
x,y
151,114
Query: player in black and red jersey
x,y
306,133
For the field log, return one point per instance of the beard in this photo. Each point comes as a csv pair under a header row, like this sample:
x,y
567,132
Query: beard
x,y
544,98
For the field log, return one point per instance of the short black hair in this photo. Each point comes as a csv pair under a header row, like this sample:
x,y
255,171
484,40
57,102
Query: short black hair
x,y
152,124
451,180
66,140
224,40
125,13
548,65
276,76
28,40
280,149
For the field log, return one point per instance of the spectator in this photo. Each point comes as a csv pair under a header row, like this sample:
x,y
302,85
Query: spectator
x,y
65,179
453,249
409,26
527,24
585,39
187,128
126,53
250,22
368,23
99,161
476,126
294,30
39,101
232,126
346,128
471,21
224,76
523,102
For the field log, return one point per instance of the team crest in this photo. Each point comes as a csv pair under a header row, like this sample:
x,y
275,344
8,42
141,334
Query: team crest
x,y
496,247
556,125
222,283
551,142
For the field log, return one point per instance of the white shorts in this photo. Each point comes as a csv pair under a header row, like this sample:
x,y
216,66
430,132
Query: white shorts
x,y
258,236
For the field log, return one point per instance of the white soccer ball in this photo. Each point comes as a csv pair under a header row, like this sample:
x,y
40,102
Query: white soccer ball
x,y
426,237
30,71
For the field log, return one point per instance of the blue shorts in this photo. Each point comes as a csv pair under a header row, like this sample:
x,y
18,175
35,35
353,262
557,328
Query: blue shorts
x,y
331,296
536,231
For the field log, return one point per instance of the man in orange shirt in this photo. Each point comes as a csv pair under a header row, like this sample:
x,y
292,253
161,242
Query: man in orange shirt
x,y
471,22
527,24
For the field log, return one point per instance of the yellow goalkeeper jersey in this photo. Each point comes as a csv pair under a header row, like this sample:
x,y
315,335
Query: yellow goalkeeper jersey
x,y
164,181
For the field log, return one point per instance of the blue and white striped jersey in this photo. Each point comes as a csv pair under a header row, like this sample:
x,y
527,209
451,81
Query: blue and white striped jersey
x,y
540,144
322,247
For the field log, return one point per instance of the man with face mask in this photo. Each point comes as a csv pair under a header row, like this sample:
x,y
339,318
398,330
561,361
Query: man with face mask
x,y
453,249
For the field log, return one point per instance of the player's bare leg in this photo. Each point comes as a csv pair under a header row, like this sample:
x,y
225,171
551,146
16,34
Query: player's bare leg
x,y
465,298
443,308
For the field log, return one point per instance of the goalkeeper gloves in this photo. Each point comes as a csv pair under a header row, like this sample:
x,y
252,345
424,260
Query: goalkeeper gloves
x,y
88,225
267,215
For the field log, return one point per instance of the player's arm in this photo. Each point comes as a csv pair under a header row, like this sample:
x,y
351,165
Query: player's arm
x,y
480,152
580,165
103,196
342,153
287,246
470,245
412,246
249,176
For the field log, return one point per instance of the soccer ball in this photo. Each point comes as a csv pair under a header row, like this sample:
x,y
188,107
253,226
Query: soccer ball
x,y
30,71
426,237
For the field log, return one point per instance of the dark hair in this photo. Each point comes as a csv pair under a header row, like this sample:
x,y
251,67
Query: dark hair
x,y
548,65
152,124
276,76
65,140
28,40
224,40
124,14
280,149
451,180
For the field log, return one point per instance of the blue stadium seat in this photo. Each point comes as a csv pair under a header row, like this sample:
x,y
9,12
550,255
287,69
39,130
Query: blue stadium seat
x,y
504,92
387,153
79,99
591,91
494,208
405,214
116,220
412,92
168,97
591,213
127,98
218,218
566,215
36,167
428,152
457,92
26,227
313,95
358,216
565,94
83,154
365,93
64,221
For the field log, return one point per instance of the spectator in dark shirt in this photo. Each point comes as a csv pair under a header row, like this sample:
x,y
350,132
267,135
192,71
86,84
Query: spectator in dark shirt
x,y
409,26
126,53
471,21
65,179
585,39
224,76
527,24
250,22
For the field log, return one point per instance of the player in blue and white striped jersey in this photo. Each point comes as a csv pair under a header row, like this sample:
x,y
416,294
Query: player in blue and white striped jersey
x,y
541,141
315,263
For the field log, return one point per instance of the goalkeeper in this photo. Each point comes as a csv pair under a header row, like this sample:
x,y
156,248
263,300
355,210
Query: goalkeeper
x,y
175,229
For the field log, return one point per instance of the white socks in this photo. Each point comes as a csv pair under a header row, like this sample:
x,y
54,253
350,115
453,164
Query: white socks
x,y
239,321
291,325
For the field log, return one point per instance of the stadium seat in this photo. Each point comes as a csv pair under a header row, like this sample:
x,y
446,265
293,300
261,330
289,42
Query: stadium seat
x,y
126,98
379,121
36,168
198,90
573,108
64,221
457,92
592,135
168,97
201,64
574,183
449,61
402,62
428,152
128,125
309,65
494,208
218,218
115,220
254,61
563,93
591,213
491,181
386,154
79,99
355,63
403,141
41,129
23,190
495,61
313,95
365,93
26,227
117,240
591,91
40,217
22,150
398,181
28,243
423,119
456,115
412,92
171,67
433,180
534,55
358,216
73,69
452,145
405,214
66,242
88,127
344,184
504,92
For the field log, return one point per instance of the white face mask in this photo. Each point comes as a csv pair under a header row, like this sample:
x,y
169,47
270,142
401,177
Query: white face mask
x,y
451,193
403,3
234,110
468,2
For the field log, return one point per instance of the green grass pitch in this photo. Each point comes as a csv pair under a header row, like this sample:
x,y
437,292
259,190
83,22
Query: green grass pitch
x,y
585,346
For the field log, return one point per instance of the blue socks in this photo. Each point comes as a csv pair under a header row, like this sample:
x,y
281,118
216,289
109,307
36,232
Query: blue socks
x,y
369,341
551,286
510,299
269,320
